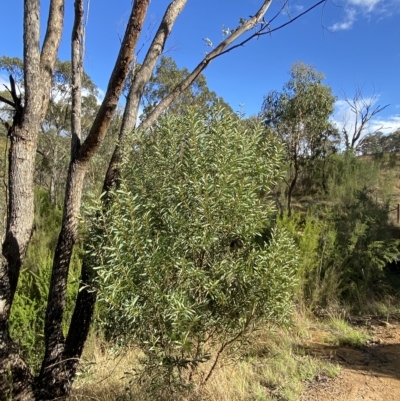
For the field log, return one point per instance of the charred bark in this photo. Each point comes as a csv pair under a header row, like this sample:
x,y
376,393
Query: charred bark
x,y
15,377
61,356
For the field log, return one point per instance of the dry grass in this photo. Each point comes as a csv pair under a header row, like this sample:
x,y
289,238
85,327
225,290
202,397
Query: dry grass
x,y
102,375
272,368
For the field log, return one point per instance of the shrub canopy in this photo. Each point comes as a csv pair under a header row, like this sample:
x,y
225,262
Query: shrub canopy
x,y
187,253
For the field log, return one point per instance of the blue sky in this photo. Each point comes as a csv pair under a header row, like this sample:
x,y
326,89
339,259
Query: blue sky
x,y
353,42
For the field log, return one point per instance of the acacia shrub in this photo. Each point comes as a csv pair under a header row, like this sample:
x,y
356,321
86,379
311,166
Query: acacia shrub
x,y
182,270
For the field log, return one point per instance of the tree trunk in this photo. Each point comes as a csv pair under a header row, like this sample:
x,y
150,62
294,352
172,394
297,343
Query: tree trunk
x,y
15,377
290,193
61,357
53,177
292,183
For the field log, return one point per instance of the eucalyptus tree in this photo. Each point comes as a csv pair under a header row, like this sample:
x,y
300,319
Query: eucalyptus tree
x,y
299,115
379,143
62,352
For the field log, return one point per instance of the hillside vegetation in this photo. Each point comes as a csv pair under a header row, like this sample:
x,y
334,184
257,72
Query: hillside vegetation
x,y
226,244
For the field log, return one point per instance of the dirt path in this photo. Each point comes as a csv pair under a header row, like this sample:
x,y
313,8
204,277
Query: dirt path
x,y
370,373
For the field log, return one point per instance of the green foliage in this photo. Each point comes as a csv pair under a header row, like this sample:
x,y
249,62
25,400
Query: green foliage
x,y
343,334
29,306
166,78
364,244
286,372
345,240
315,239
347,173
299,116
54,144
182,268
27,315
378,143
13,66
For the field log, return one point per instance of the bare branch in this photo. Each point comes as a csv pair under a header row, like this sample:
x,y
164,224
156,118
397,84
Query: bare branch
x,y
219,50
266,30
6,101
364,110
295,18
224,47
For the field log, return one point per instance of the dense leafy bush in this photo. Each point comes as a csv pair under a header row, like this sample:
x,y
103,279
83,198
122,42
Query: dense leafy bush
x,y
183,269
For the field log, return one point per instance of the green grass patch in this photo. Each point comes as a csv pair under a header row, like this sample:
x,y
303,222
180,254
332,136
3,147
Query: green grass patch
x,y
343,334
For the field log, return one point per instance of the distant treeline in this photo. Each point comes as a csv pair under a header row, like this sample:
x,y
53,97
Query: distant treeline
x,y
380,143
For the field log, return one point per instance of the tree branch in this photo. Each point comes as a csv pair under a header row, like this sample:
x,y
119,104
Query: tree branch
x,y
6,101
219,50
363,111
224,47
49,51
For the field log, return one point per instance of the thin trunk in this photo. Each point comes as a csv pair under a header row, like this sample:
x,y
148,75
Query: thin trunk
x,y
293,181
51,380
53,177
290,193
324,186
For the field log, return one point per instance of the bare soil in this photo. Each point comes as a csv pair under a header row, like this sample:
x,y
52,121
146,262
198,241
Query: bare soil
x,y
368,373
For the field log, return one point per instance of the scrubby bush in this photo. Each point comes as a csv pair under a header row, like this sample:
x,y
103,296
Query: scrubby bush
x,y
187,256
345,240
